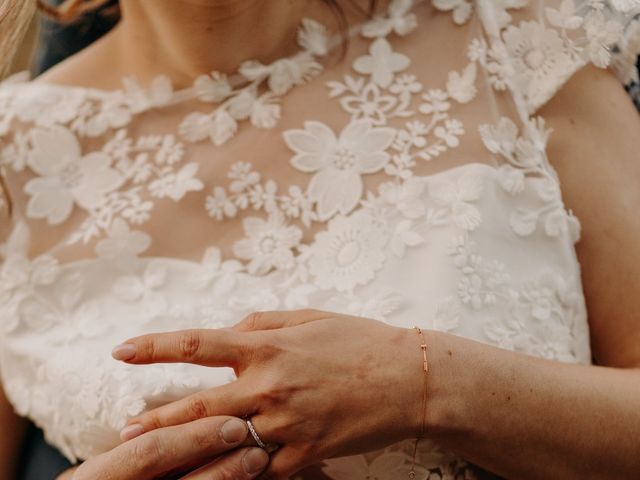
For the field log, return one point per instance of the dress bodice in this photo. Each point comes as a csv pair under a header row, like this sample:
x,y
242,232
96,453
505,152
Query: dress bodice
x,y
404,182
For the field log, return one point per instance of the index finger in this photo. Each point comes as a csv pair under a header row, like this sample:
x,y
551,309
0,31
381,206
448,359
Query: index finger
x,y
167,451
211,348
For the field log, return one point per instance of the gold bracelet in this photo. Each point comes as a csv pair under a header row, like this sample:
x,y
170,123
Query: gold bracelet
x,y
425,368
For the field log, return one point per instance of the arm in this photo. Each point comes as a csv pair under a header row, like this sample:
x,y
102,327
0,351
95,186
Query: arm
x,y
527,418
11,441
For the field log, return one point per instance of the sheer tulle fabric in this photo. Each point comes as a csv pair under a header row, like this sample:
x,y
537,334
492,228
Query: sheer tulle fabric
x,y
407,182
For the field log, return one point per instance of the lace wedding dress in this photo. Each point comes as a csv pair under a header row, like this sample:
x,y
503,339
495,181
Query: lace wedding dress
x,y
407,182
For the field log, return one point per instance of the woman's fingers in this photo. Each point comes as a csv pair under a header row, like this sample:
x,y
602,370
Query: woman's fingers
x,y
166,451
212,348
274,320
242,464
231,399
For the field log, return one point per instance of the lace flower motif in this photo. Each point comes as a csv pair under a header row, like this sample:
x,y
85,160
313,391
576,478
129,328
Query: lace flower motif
x,y
339,162
399,19
122,244
244,102
268,244
459,196
18,278
382,63
66,177
348,253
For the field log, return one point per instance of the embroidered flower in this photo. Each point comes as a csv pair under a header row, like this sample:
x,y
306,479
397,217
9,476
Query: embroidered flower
x,y
219,205
539,57
461,86
602,34
447,316
339,162
382,63
66,176
399,19
19,276
143,289
436,102
370,104
348,253
269,243
122,244
212,88
313,37
458,196
215,274
177,185
407,197
462,9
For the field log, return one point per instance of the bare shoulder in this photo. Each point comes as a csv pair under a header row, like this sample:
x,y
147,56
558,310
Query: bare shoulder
x,y
93,67
595,148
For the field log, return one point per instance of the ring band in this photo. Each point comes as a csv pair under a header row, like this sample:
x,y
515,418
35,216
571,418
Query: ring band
x,y
258,440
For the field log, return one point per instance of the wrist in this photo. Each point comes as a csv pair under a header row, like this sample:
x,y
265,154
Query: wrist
x,y
411,365
443,411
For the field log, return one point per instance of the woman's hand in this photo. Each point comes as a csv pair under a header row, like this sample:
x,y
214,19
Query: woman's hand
x,y
318,384
209,449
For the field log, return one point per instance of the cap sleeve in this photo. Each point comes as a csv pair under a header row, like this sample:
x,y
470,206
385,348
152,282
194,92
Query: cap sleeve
x,y
536,46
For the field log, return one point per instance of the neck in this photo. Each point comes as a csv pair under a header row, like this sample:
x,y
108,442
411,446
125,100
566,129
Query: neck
x,y
186,38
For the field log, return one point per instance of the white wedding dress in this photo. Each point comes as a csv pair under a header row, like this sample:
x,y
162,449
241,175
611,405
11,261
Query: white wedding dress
x,y
407,181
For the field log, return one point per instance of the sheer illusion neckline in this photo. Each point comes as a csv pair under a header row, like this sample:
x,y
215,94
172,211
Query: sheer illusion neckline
x,y
314,41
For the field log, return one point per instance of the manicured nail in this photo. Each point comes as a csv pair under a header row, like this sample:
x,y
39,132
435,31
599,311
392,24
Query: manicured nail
x,y
234,431
131,432
255,460
124,352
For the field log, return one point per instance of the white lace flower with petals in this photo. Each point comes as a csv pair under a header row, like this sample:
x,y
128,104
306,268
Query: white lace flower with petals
x,y
339,162
370,104
268,243
177,185
382,63
461,9
144,289
18,277
458,196
539,58
348,253
122,244
66,177
400,19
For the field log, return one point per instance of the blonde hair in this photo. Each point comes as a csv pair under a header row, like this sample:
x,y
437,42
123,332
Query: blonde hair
x,y
16,16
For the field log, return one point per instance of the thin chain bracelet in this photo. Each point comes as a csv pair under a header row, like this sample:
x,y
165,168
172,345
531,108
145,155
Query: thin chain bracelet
x,y
425,368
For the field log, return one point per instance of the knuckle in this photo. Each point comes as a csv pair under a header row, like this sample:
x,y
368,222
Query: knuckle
x,y
147,348
190,344
197,407
152,421
254,320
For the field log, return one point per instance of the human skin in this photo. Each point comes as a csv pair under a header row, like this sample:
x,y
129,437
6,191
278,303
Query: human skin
x,y
496,407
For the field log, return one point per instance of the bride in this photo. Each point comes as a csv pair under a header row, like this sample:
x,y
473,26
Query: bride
x,y
287,188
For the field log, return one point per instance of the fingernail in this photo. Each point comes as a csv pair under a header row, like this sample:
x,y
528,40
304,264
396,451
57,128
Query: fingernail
x,y
255,460
131,432
233,431
124,352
